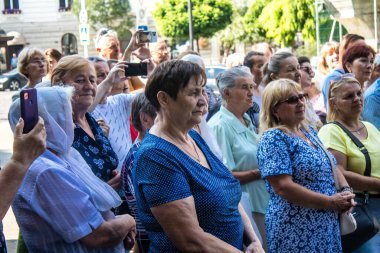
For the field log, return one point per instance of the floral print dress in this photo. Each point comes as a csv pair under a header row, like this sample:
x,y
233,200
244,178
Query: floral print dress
x,y
290,227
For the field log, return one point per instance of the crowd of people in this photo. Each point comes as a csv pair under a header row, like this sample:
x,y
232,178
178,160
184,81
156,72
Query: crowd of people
x,y
118,163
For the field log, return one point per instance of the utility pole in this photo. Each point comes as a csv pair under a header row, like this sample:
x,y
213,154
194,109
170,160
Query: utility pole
x,y
190,7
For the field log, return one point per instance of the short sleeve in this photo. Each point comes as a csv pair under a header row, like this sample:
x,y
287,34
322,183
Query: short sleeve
x,y
371,111
333,137
160,177
274,155
223,138
64,203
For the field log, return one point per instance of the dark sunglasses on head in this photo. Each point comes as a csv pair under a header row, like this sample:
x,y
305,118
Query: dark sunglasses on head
x,y
339,78
294,99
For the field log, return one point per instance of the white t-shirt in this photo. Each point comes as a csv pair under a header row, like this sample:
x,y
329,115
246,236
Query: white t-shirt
x,y
116,113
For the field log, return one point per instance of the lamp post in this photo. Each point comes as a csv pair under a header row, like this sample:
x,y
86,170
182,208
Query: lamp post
x,y
190,7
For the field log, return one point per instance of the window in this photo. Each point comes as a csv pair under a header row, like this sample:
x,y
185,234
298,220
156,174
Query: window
x,y
11,7
69,44
65,5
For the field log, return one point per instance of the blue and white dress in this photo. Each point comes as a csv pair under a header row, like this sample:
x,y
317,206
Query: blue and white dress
x,y
290,227
163,173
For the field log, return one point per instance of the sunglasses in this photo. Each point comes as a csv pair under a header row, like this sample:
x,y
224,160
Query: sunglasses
x,y
293,100
341,77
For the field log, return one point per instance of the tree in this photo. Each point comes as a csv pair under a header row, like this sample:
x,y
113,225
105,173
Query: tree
x,y
251,25
113,14
209,16
280,20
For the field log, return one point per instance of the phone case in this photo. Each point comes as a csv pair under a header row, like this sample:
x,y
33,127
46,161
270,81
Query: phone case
x,y
29,108
136,69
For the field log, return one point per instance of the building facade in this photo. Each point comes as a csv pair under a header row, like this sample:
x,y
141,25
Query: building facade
x,y
42,24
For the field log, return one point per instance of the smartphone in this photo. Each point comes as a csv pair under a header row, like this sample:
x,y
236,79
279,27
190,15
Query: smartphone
x,y
136,69
147,37
29,108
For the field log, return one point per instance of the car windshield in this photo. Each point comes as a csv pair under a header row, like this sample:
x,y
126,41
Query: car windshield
x,y
212,72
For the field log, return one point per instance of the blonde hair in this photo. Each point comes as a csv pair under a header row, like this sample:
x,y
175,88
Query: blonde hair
x,y
328,49
273,93
24,58
67,65
334,90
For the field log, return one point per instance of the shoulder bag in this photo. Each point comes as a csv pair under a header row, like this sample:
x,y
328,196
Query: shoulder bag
x,y
367,225
346,220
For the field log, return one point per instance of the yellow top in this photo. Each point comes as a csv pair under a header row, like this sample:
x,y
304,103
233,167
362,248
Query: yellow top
x,y
335,138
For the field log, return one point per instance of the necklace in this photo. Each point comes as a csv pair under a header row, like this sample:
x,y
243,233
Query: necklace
x,y
197,158
358,130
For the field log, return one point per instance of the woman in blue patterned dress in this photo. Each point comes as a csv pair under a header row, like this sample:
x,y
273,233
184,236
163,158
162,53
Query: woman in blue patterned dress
x,y
303,209
187,199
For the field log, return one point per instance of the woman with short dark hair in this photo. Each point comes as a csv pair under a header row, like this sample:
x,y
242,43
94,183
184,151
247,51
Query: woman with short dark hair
x,y
187,199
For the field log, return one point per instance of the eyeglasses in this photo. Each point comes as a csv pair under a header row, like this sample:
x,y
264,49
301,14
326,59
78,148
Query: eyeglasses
x,y
294,99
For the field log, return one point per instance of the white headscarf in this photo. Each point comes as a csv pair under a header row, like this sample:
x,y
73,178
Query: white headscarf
x,y
55,108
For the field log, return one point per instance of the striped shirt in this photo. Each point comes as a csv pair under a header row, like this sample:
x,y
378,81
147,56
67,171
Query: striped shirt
x,y
54,209
116,113
129,190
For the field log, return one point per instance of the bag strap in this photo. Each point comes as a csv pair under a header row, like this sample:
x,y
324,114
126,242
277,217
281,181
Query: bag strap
x,y
362,148
333,168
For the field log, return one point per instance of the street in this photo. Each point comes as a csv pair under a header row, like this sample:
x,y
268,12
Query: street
x,y
6,142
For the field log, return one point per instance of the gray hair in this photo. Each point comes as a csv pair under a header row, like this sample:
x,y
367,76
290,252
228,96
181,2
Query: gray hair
x,y
141,104
273,66
228,78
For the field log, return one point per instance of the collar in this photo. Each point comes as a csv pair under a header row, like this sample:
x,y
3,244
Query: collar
x,y
236,124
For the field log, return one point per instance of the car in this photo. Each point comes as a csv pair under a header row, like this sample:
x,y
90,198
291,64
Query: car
x,y
212,72
12,80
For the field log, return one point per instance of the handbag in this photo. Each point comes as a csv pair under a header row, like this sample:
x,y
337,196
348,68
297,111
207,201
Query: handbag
x,y
347,221
367,225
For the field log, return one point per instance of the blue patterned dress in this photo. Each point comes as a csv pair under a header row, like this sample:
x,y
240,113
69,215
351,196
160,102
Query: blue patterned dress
x,y
292,228
98,153
163,173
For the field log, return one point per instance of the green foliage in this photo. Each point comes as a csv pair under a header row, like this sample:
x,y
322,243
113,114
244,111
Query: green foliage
x,y
280,20
113,14
251,25
209,16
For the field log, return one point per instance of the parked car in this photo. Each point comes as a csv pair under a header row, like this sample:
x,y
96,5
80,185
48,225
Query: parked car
x,y
211,73
12,80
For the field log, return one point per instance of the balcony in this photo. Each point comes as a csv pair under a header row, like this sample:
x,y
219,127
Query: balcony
x,y
11,11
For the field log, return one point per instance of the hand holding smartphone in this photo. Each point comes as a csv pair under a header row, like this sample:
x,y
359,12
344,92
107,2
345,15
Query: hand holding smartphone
x,y
136,69
29,108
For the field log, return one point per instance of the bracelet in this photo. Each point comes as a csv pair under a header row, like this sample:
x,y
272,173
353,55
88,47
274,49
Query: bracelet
x,y
346,189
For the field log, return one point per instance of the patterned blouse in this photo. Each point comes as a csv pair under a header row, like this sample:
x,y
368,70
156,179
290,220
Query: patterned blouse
x,y
98,153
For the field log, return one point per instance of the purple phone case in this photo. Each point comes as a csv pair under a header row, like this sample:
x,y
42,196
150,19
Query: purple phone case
x,y
29,108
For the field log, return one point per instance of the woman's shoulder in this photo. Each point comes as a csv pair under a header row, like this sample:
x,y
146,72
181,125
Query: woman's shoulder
x,y
370,127
217,118
274,132
330,127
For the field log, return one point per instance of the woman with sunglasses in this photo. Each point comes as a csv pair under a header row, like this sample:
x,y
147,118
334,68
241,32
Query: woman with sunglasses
x,y
345,107
302,215
237,138
314,102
